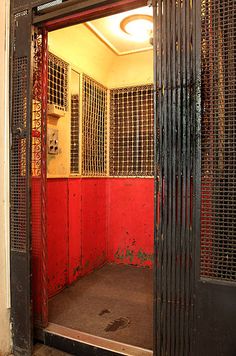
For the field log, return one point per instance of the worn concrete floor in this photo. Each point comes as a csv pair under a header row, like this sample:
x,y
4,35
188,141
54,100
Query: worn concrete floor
x,y
113,302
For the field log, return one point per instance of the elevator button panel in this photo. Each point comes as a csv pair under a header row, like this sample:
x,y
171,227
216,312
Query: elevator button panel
x,y
53,147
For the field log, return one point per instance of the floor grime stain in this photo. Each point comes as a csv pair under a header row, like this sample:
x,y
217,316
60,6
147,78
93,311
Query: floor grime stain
x,y
117,324
104,311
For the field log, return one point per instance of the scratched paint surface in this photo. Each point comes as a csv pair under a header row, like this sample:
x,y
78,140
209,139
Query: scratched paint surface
x,y
57,230
94,221
130,228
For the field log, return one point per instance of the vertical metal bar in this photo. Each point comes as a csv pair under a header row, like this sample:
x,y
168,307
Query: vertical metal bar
x,y
44,178
174,176
183,159
196,210
168,173
179,176
159,313
188,172
156,178
165,176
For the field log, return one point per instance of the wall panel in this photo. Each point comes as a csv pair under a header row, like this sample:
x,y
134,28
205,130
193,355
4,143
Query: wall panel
x,y
93,223
75,228
130,221
57,214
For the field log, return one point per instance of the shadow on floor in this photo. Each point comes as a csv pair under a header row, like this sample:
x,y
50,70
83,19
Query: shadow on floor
x,y
42,350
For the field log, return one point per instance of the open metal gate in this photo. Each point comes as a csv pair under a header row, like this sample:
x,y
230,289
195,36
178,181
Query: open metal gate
x,y
177,173
20,167
216,283
28,178
196,175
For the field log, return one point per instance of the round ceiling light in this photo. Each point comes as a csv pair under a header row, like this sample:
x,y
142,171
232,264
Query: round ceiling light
x,y
139,27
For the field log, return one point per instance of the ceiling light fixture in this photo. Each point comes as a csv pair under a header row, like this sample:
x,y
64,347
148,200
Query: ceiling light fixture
x,y
139,27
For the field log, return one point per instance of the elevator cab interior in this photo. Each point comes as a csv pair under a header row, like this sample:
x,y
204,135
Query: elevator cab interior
x,y
100,184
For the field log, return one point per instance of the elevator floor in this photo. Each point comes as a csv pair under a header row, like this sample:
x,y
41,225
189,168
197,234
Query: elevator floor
x,y
114,302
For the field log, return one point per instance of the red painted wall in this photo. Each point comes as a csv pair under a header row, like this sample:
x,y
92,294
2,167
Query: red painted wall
x,y
96,220
94,240
130,227
57,230
75,228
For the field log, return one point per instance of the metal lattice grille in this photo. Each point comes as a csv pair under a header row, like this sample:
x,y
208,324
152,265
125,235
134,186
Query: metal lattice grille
x,y
131,137
218,227
74,151
57,81
18,156
94,128
37,107
36,138
38,179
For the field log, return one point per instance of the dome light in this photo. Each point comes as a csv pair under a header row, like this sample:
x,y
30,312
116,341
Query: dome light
x,y
138,27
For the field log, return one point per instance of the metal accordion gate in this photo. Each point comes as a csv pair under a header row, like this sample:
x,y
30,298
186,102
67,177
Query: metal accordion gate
x,y
177,173
28,179
195,177
216,283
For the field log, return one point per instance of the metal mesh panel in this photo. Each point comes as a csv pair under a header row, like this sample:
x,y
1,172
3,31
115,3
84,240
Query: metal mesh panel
x,y
131,137
218,227
74,151
57,81
18,156
94,128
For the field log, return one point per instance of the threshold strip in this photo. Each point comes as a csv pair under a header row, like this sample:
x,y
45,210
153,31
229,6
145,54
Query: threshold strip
x,y
96,341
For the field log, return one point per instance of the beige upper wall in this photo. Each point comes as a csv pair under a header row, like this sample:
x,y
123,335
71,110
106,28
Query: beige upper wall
x,y
81,48
84,51
5,341
78,46
131,69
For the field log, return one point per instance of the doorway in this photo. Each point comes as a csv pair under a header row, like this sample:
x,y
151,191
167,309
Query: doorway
x,y
194,122
99,183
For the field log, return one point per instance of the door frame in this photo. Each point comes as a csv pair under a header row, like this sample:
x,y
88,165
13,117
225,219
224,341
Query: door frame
x,y
25,17
25,14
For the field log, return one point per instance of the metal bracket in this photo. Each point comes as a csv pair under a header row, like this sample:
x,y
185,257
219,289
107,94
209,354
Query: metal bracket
x,y
49,5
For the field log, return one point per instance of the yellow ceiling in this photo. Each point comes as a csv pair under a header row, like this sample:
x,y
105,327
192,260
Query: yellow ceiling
x,y
108,30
